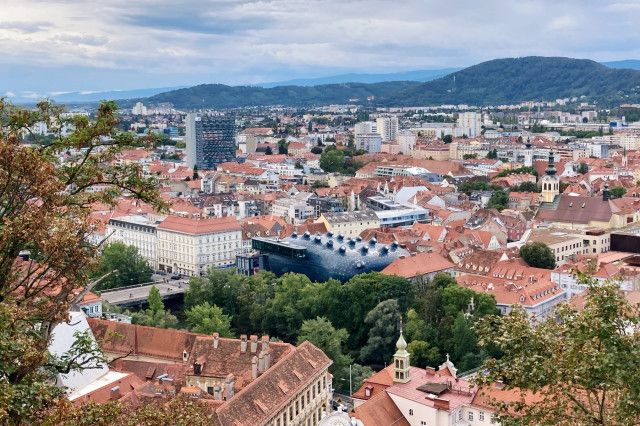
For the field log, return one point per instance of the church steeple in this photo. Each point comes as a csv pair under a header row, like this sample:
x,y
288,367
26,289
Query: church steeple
x,y
550,182
401,360
551,168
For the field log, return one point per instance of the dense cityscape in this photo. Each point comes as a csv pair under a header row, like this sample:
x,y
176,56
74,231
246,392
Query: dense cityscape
x,y
462,249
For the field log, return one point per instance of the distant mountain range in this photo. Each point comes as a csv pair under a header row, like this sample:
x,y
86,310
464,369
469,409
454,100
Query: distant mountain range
x,y
384,92
632,64
419,75
500,81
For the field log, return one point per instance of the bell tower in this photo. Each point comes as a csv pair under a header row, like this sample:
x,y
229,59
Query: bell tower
x,y
550,182
401,360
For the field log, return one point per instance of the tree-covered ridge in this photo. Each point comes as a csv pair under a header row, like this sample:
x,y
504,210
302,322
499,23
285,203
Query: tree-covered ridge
x,y
513,80
495,82
222,96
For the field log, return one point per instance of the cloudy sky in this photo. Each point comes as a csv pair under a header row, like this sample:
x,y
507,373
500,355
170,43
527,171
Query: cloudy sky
x,y
73,45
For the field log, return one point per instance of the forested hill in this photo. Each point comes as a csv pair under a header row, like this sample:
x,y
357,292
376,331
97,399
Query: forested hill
x,y
506,81
222,96
496,82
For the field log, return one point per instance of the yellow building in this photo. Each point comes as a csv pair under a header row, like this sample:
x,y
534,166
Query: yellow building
x,y
349,224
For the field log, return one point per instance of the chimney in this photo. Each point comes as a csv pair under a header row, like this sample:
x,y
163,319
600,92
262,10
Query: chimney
x,y
265,342
217,392
243,343
115,392
441,404
261,362
254,343
254,367
229,383
216,340
185,356
430,371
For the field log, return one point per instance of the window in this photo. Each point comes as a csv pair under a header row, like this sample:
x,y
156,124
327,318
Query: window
x,y
411,411
423,422
460,415
470,416
481,416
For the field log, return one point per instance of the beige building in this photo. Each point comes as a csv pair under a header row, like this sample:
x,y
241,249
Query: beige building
x,y
138,231
190,246
349,224
567,245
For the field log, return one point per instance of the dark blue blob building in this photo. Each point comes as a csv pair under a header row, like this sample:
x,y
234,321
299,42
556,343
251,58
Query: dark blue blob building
x,y
321,257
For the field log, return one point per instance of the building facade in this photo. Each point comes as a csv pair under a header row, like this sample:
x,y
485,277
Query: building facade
x,y
211,140
189,246
138,231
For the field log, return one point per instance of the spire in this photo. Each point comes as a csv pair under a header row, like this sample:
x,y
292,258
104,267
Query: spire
x,y
551,168
401,358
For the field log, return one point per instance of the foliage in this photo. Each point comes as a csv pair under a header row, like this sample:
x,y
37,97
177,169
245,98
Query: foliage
x,y
526,187
447,139
583,168
469,156
499,200
435,321
338,161
179,411
493,154
538,254
321,333
316,150
423,354
578,367
518,171
283,146
475,185
155,315
208,319
320,184
130,268
46,202
618,191
268,151
384,323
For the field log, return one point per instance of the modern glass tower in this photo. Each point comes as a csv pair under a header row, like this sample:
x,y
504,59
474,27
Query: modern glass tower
x,y
211,140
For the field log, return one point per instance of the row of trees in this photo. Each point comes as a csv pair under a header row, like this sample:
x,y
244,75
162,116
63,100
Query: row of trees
x,y
357,321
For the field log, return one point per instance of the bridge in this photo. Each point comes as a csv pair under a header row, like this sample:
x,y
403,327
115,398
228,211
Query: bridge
x,y
138,294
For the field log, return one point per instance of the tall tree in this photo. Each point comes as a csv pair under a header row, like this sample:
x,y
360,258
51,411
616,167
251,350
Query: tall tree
x,y
384,322
579,367
323,334
155,315
208,319
538,254
127,265
47,189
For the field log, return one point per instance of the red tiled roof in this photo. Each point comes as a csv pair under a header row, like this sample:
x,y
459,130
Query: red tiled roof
x,y
200,226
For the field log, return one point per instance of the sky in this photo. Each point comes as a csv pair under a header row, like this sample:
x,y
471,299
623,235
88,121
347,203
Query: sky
x,y
86,45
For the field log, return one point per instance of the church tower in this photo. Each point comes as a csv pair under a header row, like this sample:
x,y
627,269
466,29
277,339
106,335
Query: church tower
x,y
550,182
401,361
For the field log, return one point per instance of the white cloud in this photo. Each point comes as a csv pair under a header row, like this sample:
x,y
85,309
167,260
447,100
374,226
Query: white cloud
x,y
234,41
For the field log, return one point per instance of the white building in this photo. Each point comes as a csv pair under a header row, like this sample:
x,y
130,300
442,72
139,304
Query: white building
x,y
370,142
407,141
138,231
139,109
294,209
190,246
364,127
470,123
387,128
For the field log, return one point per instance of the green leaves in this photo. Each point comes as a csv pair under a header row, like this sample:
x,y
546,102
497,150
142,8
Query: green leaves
x,y
538,255
208,319
130,268
581,364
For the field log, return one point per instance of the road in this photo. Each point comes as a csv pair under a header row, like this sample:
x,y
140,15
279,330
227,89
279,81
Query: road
x,y
136,294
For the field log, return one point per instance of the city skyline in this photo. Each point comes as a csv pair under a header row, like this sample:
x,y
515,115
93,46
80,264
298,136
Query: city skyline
x,y
117,45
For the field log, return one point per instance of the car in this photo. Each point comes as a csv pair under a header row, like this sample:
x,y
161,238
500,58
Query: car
x,y
175,276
